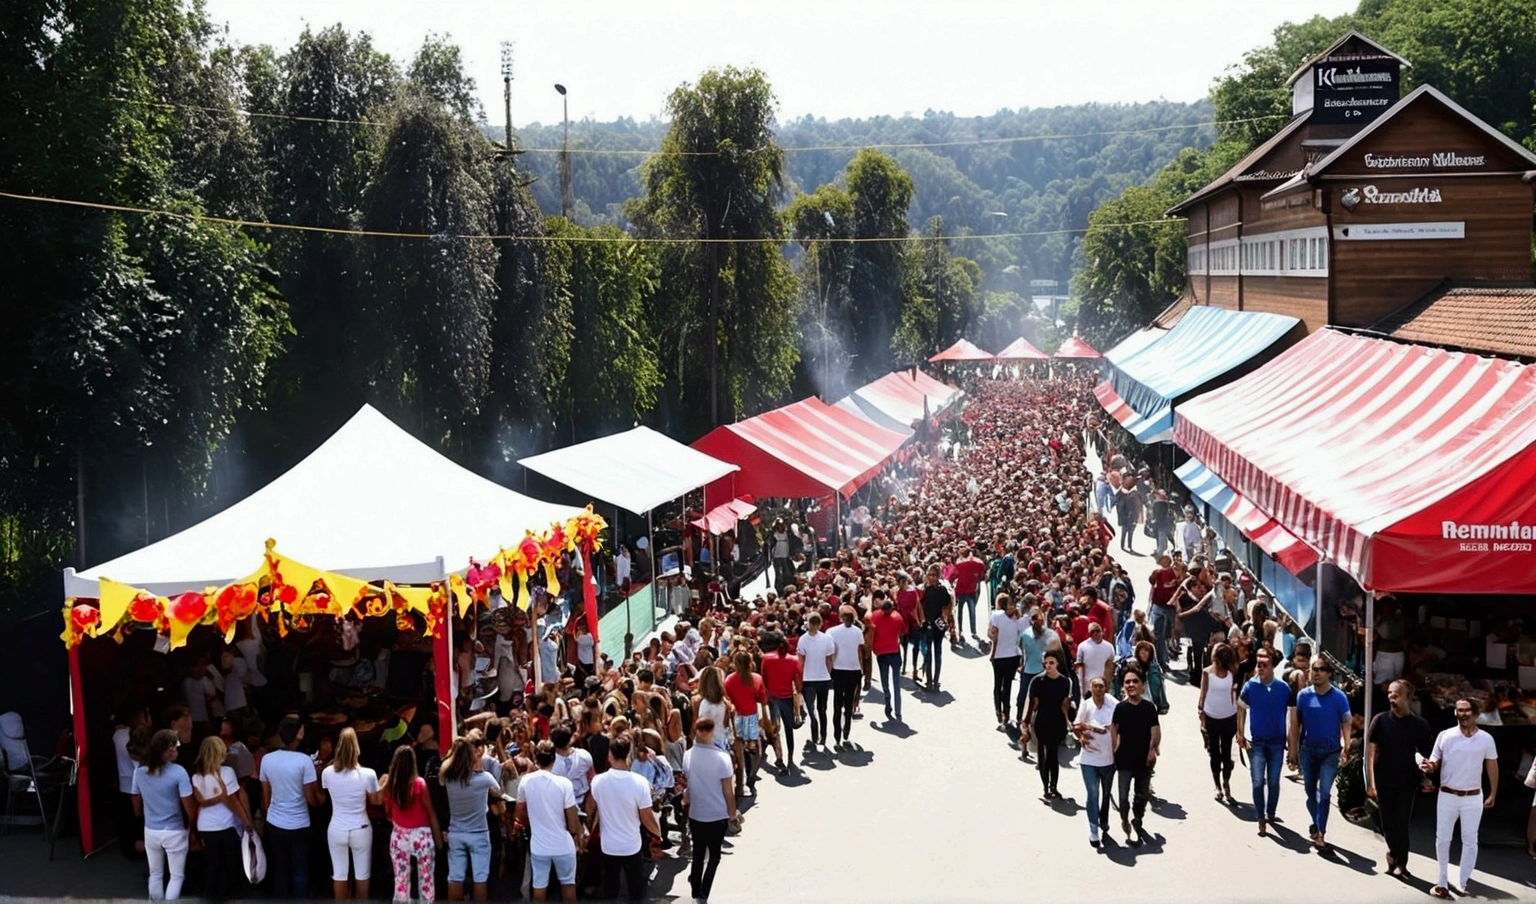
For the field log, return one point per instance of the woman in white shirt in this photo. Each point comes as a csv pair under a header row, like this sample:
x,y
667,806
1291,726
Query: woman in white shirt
x,y
350,832
221,807
1218,716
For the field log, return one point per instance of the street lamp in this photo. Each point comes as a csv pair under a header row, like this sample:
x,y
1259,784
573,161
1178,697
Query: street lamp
x,y
566,200
506,80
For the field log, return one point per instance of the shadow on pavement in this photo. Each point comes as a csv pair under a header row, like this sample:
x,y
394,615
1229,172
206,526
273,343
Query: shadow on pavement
x,y
894,728
854,755
792,779
941,699
1119,851
1288,839
1346,857
1167,809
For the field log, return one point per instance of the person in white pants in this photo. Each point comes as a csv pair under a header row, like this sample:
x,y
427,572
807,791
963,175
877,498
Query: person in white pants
x,y
350,835
1461,755
162,795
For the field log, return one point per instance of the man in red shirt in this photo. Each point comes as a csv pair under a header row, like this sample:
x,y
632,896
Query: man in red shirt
x,y
886,628
782,680
1099,611
969,570
1165,582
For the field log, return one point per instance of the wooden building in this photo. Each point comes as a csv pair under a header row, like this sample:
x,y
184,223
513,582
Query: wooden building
x,y
1364,204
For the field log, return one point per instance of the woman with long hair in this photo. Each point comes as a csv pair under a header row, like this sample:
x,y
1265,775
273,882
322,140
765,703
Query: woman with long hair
x,y
162,794
1050,697
221,806
1218,716
415,835
710,702
470,789
350,835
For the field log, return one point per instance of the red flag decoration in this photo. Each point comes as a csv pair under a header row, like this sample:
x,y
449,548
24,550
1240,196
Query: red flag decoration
x,y
589,592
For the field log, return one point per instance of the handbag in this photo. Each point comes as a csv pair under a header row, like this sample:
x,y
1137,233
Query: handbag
x,y
253,857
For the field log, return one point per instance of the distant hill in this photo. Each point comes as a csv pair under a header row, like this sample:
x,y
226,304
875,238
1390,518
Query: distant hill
x,y
1042,183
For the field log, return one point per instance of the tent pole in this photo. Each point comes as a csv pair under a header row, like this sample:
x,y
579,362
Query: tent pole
x,y
82,754
1370,646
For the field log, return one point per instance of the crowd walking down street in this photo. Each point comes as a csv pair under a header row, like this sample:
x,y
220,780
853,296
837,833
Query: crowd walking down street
x,y
1147,679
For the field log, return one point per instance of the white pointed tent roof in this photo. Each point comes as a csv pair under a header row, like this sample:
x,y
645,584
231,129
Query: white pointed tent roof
x,y
636,470
372,502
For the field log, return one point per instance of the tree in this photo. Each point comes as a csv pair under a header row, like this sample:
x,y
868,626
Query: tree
x,y
1251,99
728,302
941,297
882,194
1130,272
822,224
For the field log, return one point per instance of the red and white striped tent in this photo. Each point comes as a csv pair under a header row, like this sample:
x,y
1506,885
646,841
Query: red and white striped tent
x,y
962,350
1020,349
1075,347
1412,468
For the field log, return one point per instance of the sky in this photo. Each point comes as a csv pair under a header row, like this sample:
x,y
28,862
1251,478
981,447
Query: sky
x,y
826,58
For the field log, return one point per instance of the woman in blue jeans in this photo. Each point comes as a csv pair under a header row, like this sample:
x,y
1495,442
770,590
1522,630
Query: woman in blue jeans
x,y
1097,760
1319,742
471,792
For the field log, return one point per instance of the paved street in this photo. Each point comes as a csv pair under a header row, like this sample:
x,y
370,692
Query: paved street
x,y
943,810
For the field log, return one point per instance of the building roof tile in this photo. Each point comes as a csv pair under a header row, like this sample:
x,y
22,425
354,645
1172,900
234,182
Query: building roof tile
x,y
1491,319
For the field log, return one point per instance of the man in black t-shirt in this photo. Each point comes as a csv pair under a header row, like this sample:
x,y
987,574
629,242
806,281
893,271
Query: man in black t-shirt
x,y
1135,736
1392,773
937,612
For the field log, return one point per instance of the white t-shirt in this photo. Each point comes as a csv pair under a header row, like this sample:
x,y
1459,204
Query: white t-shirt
x,y
1461,758
234,685
815,648
125,763
197,691
1097,749
250,650
706,767
349,792
846,640
288,771
218,816
620,796
576,768
547,797
1008,631
584,650
1094,656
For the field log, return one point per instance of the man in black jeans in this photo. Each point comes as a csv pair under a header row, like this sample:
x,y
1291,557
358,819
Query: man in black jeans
x,y
937,609
1392,774
711,805
288,790
1135,736
620,801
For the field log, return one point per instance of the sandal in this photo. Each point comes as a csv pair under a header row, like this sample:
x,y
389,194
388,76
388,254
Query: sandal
x,y
1439,892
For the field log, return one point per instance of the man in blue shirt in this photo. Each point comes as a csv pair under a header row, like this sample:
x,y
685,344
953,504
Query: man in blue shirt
x,y
1319,743
1033,642
1262,706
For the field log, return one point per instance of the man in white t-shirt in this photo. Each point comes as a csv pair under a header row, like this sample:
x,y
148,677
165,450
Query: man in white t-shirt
x,y
288,790
815,650
546,803
846,672
572,763
621,803
1461,755
1095,658
1003,639
201,694
1097,759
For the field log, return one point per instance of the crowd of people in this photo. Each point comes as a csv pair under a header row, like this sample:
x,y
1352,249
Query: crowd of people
x,y
586,780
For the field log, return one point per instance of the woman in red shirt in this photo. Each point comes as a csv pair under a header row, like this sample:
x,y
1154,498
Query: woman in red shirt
x,y
747,693
416,835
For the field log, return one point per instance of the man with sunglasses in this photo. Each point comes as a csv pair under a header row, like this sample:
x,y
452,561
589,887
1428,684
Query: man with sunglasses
x,y
1262,706
1134,737
1319,744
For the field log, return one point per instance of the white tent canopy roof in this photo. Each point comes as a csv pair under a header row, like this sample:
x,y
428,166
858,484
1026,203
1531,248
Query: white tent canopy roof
x,y
372,502
636,470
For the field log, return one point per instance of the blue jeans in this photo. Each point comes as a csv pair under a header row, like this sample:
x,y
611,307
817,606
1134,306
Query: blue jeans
x,y
1319,765
1098,779
471,850
965,602
1162,629
890,679
932,645
1264,761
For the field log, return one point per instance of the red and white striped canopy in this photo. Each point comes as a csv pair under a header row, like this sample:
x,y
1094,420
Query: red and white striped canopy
x,y
1020,349
1075,347
805,449
1412,468
963,350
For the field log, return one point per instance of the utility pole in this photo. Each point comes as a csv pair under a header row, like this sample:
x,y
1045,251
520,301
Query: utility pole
x,y
506,94
567,198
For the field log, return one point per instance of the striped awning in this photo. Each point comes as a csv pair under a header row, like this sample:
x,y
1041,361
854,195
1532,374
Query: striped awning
x,y
1265,532
1413,468
1156,428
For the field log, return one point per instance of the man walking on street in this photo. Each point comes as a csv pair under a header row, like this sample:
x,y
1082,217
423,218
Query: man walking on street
x,y
1262,705
815,650
1393,741
846,639
1128,511
1095,658
1033,643
781,678
937,609
1136,736
1461,755
1165,583
886,628
969,570
1319,744
711,805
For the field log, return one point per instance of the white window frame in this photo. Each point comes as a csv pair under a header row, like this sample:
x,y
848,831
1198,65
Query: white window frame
x,y
1293,252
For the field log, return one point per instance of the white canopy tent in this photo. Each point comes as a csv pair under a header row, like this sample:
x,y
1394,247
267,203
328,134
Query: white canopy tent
x,y
372,502
636,470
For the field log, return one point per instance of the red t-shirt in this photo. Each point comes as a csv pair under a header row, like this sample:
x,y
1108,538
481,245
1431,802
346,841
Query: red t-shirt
x,y
779,674
412,817
1164,583
1080,629
906,604
1105,616
886,628
745,697
968,575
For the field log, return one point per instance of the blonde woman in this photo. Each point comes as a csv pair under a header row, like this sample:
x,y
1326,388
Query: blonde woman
x,y
350,835
221,807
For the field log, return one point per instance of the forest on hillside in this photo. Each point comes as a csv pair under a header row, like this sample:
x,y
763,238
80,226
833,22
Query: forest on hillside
x,y
1045,169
